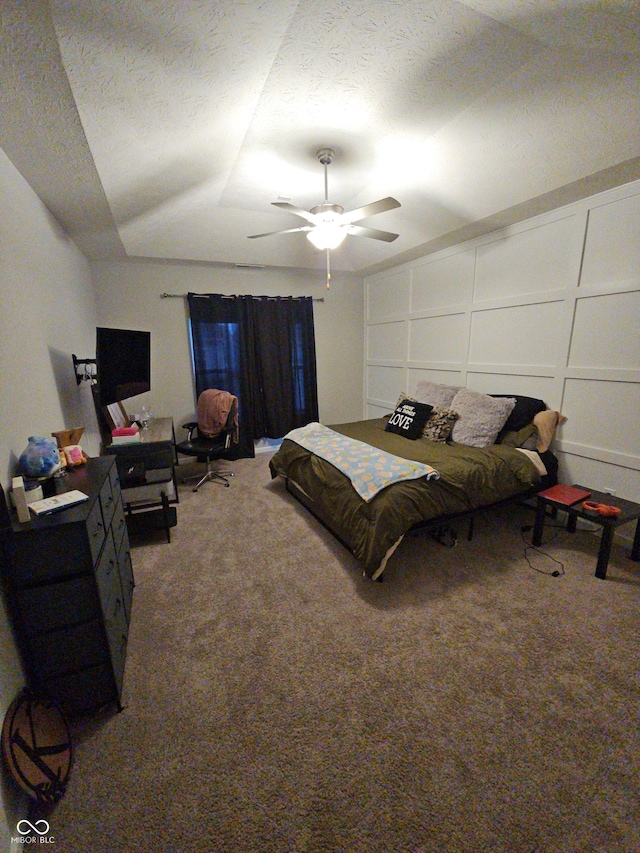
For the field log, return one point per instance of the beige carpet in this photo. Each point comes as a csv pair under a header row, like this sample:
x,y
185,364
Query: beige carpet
x,y
277,701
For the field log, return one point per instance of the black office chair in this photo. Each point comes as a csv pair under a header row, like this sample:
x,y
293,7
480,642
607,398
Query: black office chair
x,y
207,448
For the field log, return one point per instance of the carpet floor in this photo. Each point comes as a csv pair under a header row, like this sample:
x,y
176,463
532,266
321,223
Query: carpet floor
x,y
276,700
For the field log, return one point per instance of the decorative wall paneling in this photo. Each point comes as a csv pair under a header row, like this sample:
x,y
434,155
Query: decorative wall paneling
x,y
549,308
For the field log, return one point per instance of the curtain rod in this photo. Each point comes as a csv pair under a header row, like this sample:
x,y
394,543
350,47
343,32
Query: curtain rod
x,y
226,296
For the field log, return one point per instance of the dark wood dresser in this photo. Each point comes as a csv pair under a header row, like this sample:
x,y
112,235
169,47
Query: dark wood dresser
x,y
69,586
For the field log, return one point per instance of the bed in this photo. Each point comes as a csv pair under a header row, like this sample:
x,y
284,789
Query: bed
x,y
507,458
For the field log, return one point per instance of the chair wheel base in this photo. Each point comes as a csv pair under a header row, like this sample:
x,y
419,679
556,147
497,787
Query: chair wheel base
x,y
210,476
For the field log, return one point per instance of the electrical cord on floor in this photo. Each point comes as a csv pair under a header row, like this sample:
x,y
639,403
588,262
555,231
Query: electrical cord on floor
x,y
556,573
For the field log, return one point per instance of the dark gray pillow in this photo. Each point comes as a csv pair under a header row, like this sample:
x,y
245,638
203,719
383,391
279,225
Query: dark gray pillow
x,y
524,411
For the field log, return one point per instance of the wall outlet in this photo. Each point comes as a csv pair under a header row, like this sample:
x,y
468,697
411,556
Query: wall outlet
x,y
609,491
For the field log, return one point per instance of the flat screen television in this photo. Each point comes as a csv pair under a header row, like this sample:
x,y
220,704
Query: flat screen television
x,y
123,364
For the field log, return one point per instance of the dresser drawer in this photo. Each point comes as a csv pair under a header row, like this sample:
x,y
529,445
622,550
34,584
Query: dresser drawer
x,y
60,652
119,660
96,530
108,576
119,524
85,689
126,576
58,605
114,479
117,634
48,556
107,502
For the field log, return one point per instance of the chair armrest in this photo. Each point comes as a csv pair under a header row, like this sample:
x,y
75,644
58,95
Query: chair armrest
x,y
191,426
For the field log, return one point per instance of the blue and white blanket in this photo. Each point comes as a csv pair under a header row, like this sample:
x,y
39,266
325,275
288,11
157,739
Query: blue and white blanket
x,y
369,469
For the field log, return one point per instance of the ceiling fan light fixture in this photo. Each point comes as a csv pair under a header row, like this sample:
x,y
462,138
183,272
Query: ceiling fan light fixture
x,y
328,224
327,235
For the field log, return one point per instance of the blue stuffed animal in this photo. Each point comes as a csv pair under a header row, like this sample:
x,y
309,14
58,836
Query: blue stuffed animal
x,y
40,458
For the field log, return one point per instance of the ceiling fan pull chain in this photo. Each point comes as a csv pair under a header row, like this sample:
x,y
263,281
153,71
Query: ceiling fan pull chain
x,y
328,270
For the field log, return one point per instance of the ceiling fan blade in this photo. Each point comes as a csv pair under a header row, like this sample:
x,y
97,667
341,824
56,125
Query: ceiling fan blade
x,y
370,209
288,231
359,231
284,205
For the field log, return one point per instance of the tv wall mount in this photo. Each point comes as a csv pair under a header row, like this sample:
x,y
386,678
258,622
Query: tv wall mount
x,y
84,373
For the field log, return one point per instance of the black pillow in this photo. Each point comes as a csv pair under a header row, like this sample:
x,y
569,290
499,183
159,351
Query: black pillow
x,y
409,418
524,411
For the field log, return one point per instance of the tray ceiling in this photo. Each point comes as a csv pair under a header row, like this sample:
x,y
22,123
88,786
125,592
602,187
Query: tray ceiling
x,y
165,130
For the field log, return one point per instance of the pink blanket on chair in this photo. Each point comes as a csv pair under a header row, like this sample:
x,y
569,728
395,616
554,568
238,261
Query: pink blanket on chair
x,y
213,412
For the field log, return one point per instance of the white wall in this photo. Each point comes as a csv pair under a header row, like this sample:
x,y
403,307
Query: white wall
x,y
129,296
47,311
549,309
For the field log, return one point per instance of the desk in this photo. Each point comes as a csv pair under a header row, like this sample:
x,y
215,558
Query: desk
x,y
147,477
630,511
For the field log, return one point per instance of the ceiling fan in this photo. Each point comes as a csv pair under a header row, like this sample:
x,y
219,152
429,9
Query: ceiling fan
x,y
328,223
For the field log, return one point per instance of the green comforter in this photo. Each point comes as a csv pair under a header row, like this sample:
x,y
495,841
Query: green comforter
x,y
470,477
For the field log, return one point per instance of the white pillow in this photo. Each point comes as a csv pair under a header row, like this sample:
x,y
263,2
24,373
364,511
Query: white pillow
x,y
439,396
481,417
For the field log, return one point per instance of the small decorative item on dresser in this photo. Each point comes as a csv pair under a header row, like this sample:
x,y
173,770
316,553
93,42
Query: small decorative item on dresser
x,y
40,459
19,499
69,445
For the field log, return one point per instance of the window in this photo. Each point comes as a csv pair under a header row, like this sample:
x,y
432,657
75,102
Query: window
x,y
219,348
262,349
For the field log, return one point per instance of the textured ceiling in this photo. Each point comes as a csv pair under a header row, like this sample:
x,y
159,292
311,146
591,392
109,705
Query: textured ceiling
x,y
166,129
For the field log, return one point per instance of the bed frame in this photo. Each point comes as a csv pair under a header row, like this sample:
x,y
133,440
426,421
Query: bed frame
x,y
438,524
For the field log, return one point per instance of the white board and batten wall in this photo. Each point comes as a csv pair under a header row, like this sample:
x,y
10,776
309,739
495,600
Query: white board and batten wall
x,y
549,308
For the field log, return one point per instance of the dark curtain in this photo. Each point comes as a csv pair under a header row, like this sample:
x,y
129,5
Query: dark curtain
x,y
262,349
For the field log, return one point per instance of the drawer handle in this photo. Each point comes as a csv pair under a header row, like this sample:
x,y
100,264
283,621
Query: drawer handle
x,y
98,528
117,607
